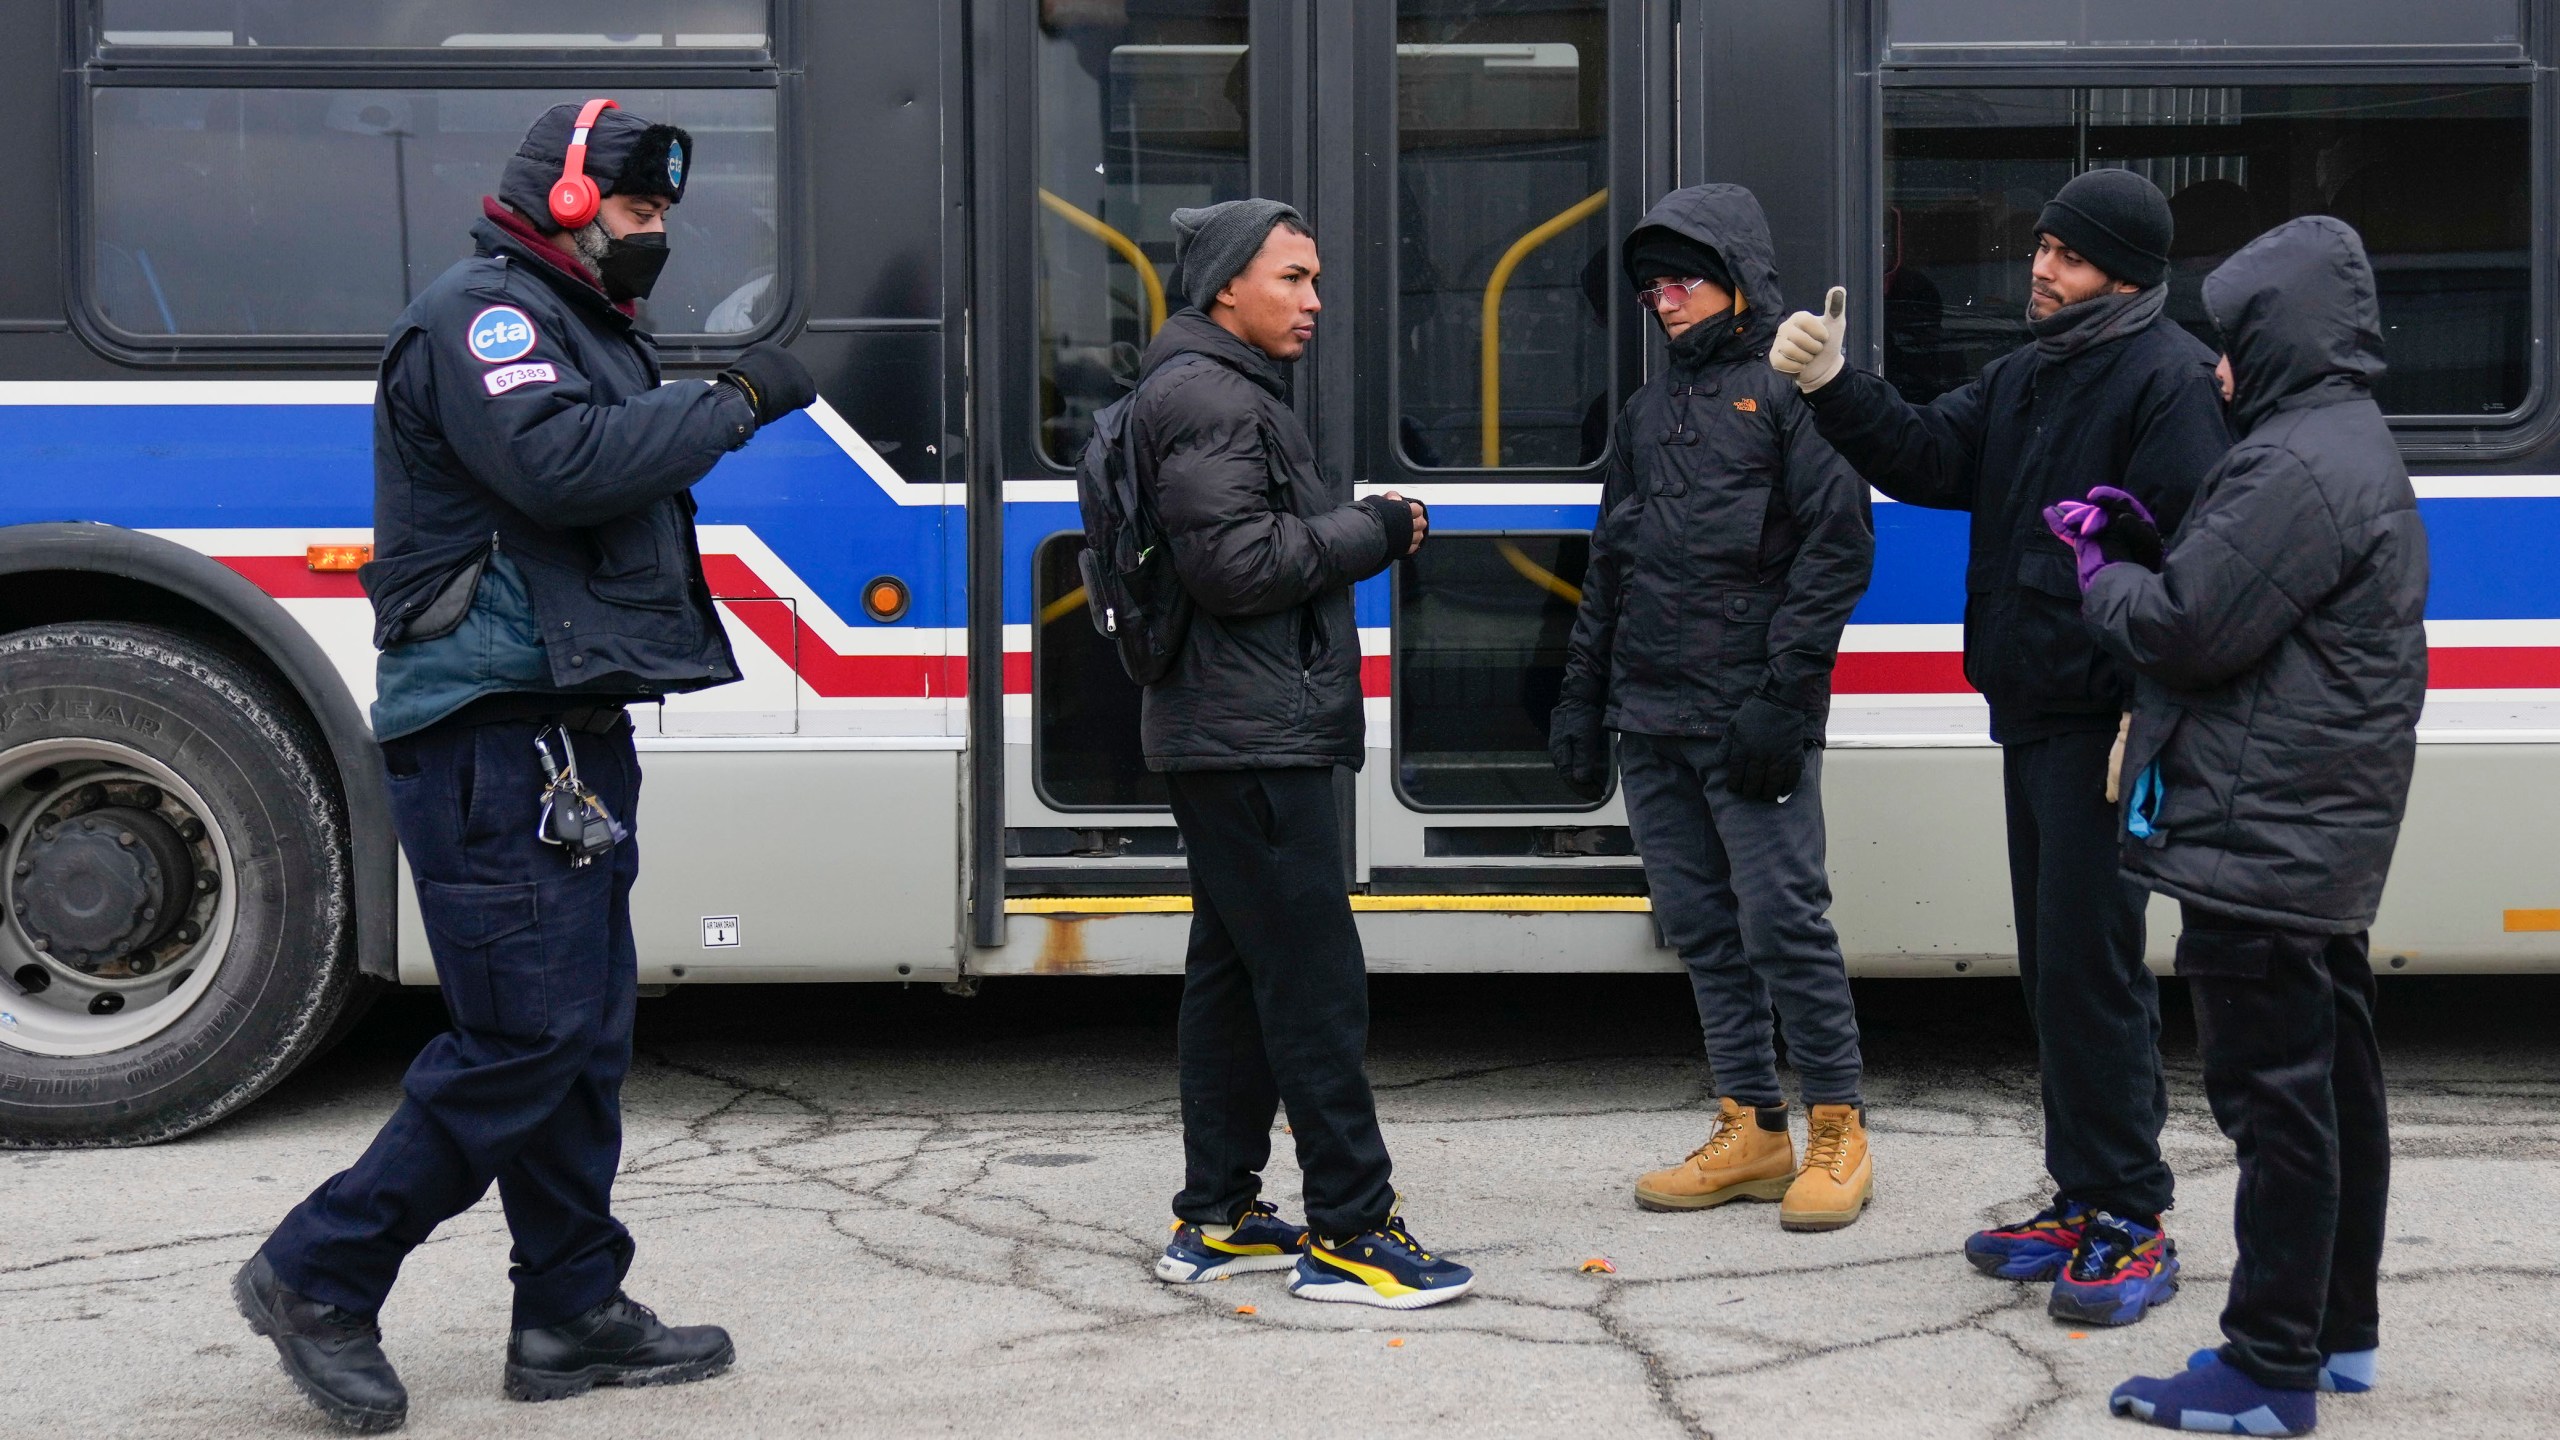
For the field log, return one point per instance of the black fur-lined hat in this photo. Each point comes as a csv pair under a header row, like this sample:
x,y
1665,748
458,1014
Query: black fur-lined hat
x,y
626,155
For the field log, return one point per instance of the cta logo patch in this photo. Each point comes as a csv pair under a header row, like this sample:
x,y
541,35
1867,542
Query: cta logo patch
x,y
499,334
502,381
675,164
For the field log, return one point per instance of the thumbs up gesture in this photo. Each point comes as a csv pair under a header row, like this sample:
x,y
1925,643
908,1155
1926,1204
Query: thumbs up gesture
x,y
1807,349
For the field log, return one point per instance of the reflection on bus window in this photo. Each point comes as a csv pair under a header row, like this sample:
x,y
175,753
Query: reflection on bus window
x,y
1481,626
447,25
1503,271
2436,178
1084,707
290,212
2187,23
1142,111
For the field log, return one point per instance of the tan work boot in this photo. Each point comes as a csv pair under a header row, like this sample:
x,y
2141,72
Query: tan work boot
x,y
1838,1176
1741,1160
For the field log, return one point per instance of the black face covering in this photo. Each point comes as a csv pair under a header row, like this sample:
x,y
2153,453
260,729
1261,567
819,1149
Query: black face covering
x,y
631,264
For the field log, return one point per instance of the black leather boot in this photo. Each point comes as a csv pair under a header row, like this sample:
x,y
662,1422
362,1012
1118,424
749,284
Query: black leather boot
x,y
620,1342
335,1358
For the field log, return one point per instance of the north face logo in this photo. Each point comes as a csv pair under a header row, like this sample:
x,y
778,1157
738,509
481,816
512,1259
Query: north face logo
x,y
1747,405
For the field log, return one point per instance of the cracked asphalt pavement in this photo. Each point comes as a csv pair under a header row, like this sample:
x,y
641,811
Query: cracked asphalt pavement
x,y
926,1215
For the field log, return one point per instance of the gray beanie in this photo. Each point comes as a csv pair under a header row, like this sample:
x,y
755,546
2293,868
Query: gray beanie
x,y
1213,243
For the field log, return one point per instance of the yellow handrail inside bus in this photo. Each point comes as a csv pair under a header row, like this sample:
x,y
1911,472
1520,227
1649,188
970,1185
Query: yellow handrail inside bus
x,y
1580,211
1537,574
1126,248
1062,607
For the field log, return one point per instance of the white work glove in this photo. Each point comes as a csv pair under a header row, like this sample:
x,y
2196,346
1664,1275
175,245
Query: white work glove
x,y
1807,349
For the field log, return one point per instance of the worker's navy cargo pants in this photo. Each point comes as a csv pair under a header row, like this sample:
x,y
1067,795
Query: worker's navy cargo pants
x,y
539,976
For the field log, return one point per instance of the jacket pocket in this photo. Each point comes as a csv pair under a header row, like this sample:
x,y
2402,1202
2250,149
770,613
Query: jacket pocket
x,y
2050,571
1745,614
489,956
640,560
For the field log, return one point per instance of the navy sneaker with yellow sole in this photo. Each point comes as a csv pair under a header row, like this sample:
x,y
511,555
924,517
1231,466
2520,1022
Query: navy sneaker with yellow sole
x,y
1261,1241
1384,1267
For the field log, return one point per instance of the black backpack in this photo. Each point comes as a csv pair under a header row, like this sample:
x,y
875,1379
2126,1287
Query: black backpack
x,y
1136,600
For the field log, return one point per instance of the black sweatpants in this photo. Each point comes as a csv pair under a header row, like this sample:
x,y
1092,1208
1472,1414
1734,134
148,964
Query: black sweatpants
x,y
2096,1008
1741,891
1275,1002
2285,1021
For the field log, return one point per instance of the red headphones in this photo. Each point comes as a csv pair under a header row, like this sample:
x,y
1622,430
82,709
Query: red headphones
x,y
574,196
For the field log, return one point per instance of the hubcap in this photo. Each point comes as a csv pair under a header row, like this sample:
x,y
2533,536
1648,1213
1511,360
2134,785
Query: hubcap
x,y
117,896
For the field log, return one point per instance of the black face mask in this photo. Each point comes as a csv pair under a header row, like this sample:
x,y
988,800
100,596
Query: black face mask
x,y
631,264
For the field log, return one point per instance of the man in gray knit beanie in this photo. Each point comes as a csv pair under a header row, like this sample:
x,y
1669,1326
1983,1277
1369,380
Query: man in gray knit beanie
x,y
1214,242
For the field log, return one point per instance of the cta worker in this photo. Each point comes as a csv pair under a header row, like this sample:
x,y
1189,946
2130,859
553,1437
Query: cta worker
x,y
535,572
1732,544
2282,655
1261,707
2104,394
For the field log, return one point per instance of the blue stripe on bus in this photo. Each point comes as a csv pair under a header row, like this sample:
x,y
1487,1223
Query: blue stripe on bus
x,y
310,466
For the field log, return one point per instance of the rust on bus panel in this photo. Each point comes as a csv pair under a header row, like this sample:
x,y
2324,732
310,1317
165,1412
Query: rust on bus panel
x,y
1062,948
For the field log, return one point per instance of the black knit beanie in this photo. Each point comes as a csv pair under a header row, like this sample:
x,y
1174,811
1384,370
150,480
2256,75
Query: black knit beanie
x,y
1658,250
626,155
2117,220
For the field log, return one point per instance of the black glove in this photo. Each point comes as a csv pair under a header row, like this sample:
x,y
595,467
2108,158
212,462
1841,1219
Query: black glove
x,y
1396,516
773,380
1579,744
2129,534
1763,754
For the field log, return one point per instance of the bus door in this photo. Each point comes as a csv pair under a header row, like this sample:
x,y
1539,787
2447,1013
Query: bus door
x,y
1475,342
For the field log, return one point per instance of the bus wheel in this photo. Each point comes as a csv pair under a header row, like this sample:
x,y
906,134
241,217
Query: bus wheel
x,y
179,927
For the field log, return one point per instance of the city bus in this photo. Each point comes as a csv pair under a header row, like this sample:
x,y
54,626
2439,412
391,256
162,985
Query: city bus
x,y
956,213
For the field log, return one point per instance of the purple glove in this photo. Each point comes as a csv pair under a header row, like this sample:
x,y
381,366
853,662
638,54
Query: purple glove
x,y
2110,526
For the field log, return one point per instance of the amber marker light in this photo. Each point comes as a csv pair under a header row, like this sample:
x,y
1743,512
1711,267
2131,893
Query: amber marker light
x,y
337,559
886,599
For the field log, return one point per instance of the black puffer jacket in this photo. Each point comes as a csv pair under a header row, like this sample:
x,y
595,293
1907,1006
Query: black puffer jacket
x,y
2142,413
1268,548
1732,543
2283,647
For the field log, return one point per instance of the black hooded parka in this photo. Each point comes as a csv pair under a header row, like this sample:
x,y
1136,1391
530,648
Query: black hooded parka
x,y
2282,649
1732,542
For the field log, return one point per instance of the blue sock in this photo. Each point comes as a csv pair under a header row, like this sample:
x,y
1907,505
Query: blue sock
x,y
2348,1372
2214,1398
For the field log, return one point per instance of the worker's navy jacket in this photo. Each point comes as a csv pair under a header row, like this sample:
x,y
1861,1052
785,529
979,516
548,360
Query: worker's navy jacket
x,y
520,411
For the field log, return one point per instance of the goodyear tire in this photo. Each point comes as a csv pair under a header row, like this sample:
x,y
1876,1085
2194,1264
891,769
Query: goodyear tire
x,y
179,933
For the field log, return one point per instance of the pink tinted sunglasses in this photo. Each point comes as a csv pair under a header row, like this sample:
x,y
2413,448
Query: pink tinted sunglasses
x,y
1669,295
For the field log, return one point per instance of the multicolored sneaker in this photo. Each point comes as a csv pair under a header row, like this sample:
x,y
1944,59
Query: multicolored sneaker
x,y
2347,1372
1260,1241
2036,1250
2217,1400
1384,1267
2121,1269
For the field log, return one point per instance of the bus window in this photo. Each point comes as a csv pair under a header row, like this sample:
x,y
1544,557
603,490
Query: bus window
x,y
447,25
1142,111
1084,752
2190,23
1503,270
1480,630
2437,179
321,212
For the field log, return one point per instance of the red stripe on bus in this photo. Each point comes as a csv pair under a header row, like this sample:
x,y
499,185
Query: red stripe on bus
x,y
2493,667
1899,672
290,577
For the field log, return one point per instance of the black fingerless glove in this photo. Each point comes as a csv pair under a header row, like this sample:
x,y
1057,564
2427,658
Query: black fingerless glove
x,y
1763,753
773,380
1397,517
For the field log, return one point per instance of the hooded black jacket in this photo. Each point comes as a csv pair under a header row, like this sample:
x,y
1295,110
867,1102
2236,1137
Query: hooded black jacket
x,y
2142,413
2282,649
1732,543
1269,550
559,447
